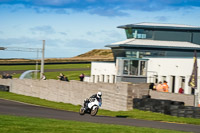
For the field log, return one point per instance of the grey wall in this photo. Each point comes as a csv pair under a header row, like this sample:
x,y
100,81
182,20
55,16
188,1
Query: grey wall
x,y
116,97
187,99
172,36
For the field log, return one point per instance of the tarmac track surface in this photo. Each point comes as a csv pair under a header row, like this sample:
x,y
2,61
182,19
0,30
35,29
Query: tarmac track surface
x,y
8,107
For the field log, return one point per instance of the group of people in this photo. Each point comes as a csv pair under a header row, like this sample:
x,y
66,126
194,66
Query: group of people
x,y
162,87
6,76
62,77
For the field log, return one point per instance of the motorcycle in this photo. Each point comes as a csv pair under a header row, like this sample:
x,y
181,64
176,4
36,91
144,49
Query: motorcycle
x,y
90,106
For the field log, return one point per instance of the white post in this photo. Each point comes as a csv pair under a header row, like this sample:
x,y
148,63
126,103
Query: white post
x,y
187,89
169,82
36,67
42,60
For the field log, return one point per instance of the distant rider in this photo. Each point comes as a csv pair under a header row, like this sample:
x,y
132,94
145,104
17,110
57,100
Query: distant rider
x,y
96,96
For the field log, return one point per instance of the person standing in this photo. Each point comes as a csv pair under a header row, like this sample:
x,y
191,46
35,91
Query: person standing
x,y
165,87
81,77
181,91
43,76
61,77
159,87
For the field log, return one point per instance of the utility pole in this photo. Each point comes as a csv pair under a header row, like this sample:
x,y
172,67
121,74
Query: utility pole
x,y
36,67
42,60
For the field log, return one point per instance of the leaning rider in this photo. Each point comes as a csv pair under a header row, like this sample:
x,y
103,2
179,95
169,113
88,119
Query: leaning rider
x,y
96,96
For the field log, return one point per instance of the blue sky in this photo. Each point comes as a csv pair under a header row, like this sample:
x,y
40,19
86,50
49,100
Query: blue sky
x,y
73,27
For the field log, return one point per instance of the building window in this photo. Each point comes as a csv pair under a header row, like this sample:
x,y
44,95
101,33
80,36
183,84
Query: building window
x,y
126,67
129,33
135,33
142,68
139,33
141,54
134,67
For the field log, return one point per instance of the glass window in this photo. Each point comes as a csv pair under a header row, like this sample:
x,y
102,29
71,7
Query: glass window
x,y
134,67
131,54
149,53
129,33
125,68
139,33
142,68
135,33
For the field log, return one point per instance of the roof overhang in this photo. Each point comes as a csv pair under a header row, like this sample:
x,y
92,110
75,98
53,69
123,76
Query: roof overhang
x,y
161,26
147,44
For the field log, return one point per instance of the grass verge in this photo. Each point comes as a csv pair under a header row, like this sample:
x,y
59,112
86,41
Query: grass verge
x,y
72,75
32,67
136,114
15,124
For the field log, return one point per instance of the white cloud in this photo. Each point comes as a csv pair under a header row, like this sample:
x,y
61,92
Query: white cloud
x,y
44,30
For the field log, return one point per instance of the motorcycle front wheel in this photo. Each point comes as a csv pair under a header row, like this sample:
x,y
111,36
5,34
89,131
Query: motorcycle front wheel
x,y
94,111
82,111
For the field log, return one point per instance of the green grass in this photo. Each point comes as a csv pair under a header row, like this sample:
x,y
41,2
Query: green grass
x,y
136,114
32,67
72,75
15,124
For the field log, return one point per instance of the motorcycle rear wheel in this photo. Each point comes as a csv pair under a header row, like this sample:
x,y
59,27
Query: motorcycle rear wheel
x,y
94,112
82,111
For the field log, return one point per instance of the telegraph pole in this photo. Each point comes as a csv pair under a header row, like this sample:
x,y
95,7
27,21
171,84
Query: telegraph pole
x,y
42,60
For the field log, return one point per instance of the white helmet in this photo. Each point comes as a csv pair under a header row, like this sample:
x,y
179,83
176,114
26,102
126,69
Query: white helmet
x,y
99,94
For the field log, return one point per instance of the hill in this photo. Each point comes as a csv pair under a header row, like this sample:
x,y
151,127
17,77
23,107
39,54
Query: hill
x,y
93,55
97,54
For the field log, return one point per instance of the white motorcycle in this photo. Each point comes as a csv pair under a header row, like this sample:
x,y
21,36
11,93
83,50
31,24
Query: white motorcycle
x,y
91,107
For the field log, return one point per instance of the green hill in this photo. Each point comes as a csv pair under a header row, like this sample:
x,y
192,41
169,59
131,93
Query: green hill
x,y
93,55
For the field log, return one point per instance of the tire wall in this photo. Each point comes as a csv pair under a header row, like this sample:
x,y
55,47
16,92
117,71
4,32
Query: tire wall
x,y
168,107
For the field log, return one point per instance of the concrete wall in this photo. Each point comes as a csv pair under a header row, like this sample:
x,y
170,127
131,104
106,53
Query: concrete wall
x,y
187,99
115,96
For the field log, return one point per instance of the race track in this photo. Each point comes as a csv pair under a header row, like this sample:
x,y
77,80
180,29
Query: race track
x,y
21,109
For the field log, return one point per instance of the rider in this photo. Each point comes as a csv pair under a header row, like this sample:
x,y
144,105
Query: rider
x,y
97,96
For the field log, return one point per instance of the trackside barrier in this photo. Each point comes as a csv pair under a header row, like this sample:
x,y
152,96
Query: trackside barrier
x,y
116,96
169,107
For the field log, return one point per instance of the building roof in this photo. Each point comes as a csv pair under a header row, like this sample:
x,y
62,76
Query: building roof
x,y
161,26
144,43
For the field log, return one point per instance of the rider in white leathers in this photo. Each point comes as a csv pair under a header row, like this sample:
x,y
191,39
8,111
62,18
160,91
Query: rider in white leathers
x,y
97,96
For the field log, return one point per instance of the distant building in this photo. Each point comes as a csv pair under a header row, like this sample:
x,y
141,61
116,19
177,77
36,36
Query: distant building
x,y
152,53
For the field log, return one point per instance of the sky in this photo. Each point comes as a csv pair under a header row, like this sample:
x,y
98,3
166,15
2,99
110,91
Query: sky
x,y
73,27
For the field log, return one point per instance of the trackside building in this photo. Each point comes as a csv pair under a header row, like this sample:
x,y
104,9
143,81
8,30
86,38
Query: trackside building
x,y
152,53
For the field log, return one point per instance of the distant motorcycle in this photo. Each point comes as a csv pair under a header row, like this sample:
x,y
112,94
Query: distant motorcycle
x,y
91,107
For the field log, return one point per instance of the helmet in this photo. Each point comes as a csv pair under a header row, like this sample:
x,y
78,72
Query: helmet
x,y
99,94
